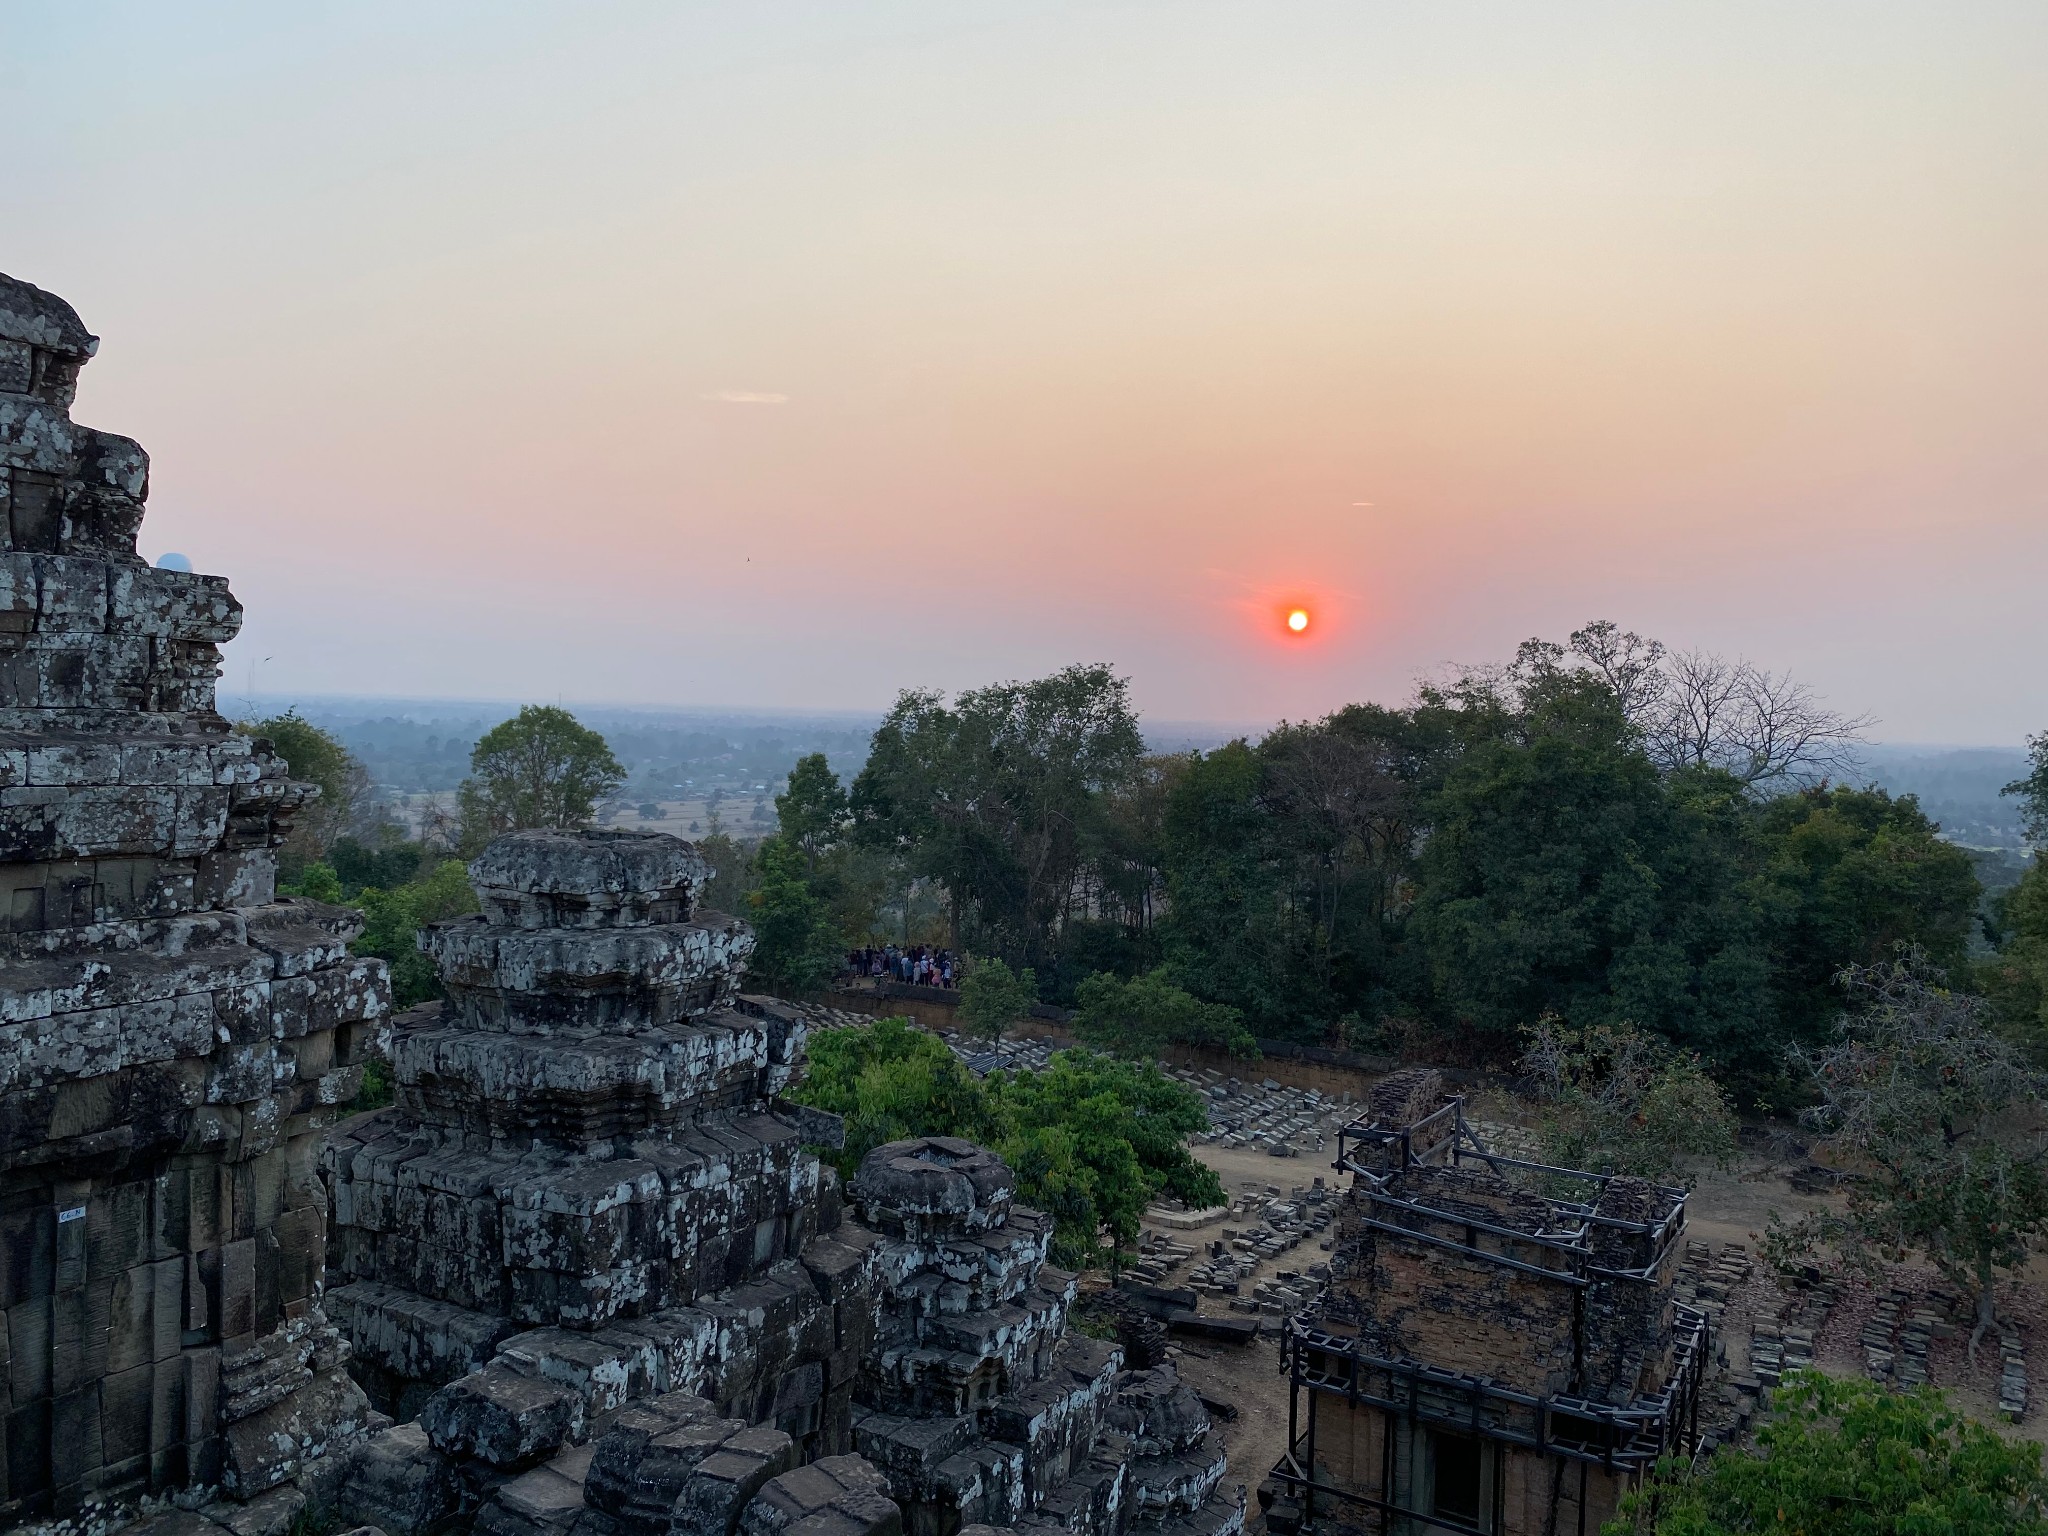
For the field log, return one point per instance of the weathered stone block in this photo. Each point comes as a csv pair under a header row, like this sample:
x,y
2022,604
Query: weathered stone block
x,y
501,1417
398,1481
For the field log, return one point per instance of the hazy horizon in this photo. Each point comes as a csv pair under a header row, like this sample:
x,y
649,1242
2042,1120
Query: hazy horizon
x,y
783,358
240,706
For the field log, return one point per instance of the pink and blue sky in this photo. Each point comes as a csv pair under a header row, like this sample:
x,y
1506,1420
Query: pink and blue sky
x,y
789,354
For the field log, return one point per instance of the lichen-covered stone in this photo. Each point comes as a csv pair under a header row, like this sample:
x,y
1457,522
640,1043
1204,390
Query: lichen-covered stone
x,y
174,1039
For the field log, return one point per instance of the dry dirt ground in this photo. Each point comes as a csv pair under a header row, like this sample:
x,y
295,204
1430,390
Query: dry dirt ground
x,y
1730,1206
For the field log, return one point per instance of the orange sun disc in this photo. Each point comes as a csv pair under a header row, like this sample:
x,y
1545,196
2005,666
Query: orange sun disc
x,y
1298,620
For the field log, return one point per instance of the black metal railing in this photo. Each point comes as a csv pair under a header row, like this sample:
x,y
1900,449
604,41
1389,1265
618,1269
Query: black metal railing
x,y
1623,1437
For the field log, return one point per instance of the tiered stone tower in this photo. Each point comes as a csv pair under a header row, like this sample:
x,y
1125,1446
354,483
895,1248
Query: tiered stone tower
x,y
173,1038
983,1409
587,1250
584,1261
586,1193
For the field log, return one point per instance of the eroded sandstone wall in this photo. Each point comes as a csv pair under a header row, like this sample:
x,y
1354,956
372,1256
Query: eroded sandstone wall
x,y
174,1040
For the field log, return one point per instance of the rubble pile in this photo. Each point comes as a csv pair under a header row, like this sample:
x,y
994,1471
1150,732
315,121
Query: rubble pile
x,y
1283,1224
1267,1116
2012,1377
1880,1334
1158,1257
1707,1280
174,1038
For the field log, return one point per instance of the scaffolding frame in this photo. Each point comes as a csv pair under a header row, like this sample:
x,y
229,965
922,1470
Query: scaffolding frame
x,y
1563,1427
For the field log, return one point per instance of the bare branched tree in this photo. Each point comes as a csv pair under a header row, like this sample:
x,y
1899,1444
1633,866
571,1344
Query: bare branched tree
x,y
1944,1124
1763,727
1626,663
1616,1099
1694,709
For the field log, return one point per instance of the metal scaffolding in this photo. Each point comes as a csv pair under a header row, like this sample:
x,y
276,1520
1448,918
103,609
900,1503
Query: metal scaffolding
x,y
1324,1361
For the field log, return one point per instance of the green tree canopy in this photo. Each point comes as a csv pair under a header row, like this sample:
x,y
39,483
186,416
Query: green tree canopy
x,y
392,920
1289,868
2032,791
993,997
2015,979
1140,1017
1564,874
1092,1140
812,811
1852,875
542,768
317,757
1850,1458
1001,795
890,1080
794,941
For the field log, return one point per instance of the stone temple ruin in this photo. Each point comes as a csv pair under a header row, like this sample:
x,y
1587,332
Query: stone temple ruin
x,y
174,1040
583,1276
587,1255
1499,1349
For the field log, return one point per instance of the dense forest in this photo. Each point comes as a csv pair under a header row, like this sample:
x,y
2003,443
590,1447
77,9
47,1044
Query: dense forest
x,y
1594,831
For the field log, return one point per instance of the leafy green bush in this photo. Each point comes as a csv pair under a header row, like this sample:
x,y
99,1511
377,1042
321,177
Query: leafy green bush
x,y
1617,1100
392,920
1141,1016
1842,1457
993,997
1092,1140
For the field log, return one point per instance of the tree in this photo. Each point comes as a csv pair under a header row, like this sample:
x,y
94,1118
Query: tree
x,y
1289,869
1564,874
891,1081
540,769
812,812
1231,932
317,757
1699,710
1847,1457
1851,875
1142,1016
999,797
2015,978
993,997
1942,1123
1094,1141
794,944
1764,728
2032,790
733,875
392,920
388,861
1615,1100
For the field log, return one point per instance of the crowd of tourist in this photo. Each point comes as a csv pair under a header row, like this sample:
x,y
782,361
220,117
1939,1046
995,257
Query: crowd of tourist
x,y
918,965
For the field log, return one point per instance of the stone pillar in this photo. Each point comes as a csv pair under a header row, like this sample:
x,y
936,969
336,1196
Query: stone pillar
x,y
174,1039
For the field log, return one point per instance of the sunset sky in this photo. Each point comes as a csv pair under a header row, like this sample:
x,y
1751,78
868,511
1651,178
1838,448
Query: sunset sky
x,y
787,355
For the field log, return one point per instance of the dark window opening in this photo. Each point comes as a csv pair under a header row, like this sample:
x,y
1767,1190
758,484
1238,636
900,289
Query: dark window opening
x,y
1455,1478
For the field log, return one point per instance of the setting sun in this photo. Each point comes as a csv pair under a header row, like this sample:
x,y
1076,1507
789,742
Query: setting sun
x,y
1297,620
